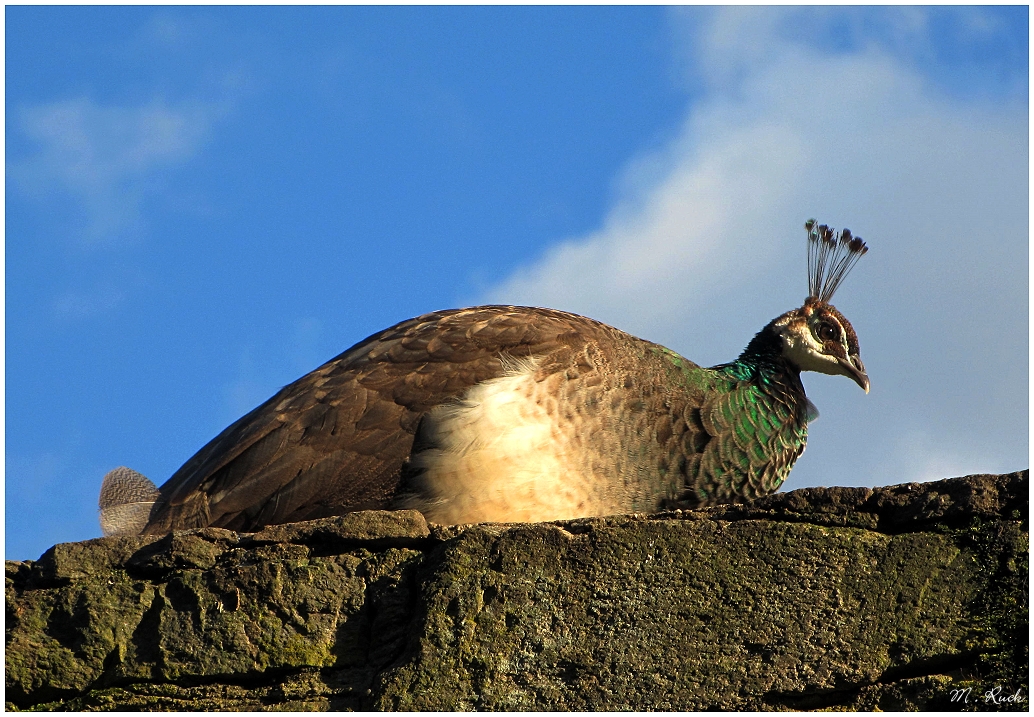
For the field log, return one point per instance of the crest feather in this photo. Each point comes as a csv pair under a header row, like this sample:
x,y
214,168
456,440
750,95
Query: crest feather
x,y
831,255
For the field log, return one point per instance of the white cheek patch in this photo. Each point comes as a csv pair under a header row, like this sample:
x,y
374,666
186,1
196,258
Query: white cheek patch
x,y
806,353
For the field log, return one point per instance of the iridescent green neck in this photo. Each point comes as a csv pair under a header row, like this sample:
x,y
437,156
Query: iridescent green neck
x,y
762,359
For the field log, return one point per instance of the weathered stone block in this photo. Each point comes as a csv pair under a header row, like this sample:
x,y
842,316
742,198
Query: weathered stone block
x,y
892,598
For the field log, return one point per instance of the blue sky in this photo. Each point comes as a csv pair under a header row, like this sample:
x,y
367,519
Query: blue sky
x,y
203,204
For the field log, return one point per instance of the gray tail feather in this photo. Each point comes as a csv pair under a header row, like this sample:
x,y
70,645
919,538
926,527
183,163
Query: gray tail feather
x,y
126,500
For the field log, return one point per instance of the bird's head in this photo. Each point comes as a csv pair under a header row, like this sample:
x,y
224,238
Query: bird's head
x,y
817,337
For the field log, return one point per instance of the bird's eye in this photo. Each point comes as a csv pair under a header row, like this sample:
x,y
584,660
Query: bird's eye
x,y
828,332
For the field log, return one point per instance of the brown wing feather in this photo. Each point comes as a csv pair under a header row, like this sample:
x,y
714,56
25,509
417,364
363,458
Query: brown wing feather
x,y
336,439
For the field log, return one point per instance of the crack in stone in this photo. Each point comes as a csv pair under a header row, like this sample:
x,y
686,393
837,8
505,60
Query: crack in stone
x,y
843,695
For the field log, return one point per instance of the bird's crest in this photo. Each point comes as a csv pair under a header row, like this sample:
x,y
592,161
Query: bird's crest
x,y
830,256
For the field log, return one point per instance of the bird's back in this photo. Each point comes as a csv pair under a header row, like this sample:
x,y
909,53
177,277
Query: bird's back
x,y
338,438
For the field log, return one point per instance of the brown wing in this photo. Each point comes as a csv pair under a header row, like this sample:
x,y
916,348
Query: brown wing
x,y
336,439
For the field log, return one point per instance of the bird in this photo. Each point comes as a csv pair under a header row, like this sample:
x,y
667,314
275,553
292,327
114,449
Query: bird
x,y
513,414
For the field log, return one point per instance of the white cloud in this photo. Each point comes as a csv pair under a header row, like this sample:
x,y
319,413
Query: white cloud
x,y
108,158
705,243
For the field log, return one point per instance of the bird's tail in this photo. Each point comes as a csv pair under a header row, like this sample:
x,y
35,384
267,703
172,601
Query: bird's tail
x,y
126,500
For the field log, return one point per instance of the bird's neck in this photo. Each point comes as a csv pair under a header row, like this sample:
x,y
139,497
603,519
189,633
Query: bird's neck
x,y
763,361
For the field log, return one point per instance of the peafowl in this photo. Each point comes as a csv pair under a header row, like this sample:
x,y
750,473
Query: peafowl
x,y
514,414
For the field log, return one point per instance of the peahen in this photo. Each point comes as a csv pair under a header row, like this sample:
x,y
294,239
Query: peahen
x,y
510,413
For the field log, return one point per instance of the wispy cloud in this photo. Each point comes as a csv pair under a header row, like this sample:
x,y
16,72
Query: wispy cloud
x,y
704,242
107,158
84,304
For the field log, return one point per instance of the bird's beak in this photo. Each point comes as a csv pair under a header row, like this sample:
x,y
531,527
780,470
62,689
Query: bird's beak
x,y
854,369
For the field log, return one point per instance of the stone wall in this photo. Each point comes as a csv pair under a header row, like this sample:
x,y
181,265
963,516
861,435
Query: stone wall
x,y
892,598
